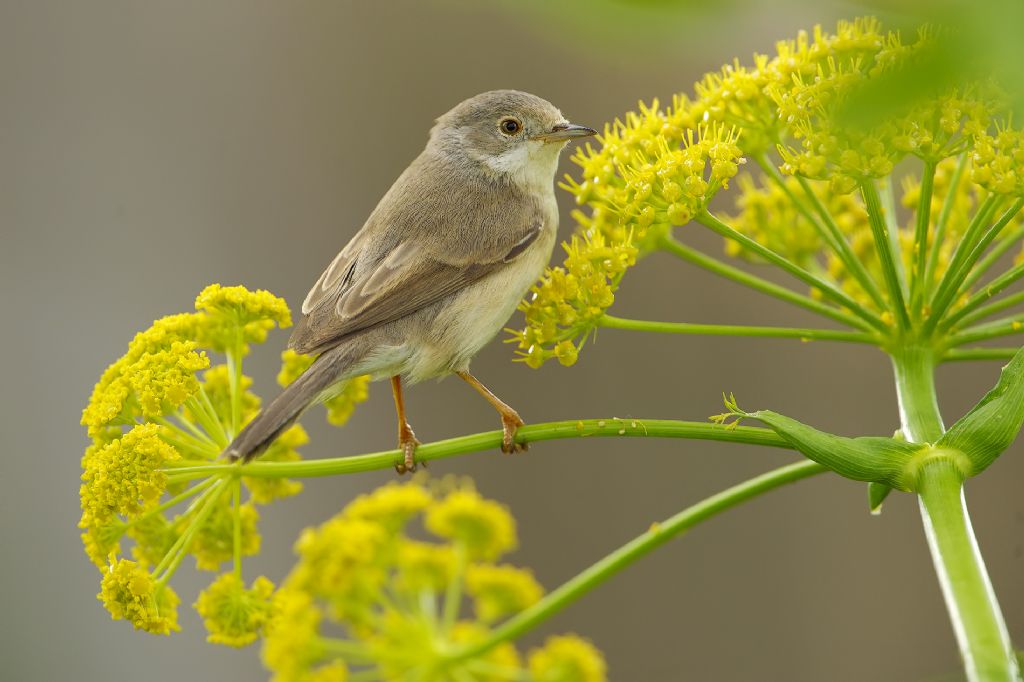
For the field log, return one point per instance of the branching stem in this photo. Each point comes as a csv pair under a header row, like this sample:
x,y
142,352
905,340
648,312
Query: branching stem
x,y
491,440
973,609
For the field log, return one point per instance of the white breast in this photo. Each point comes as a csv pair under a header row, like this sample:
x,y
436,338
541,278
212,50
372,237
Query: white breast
x,y
479,312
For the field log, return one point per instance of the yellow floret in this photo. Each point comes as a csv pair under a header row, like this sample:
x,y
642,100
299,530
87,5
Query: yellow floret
x,y
484,528
567,658
390,505
130,593
124,477
502,590
214,542
234,615
236,316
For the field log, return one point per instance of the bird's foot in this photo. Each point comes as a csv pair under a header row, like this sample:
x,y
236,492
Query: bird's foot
x,y
510,423
407,443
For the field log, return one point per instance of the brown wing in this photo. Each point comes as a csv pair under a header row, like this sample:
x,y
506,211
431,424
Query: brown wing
x,y
352,295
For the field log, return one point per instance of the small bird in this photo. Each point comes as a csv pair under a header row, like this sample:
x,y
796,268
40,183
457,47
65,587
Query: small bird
x,y
437,269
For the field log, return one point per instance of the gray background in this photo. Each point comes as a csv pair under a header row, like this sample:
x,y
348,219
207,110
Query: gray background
x,y
147,149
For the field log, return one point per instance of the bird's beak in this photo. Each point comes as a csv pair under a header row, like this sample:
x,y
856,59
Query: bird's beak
x,y
563,132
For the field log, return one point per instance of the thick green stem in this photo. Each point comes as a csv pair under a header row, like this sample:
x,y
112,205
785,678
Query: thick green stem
x,y
491,440
738,330
914,368
973,608
657,535
977,621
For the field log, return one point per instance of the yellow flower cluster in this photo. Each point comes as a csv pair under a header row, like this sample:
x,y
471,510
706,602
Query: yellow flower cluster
x,y
998,161
214,542
399,600
346,396
233,615
154,377
795,110
236,317
130,593
567,303
124,476
156,409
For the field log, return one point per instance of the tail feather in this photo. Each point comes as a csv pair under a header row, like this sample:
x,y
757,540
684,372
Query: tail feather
x,y
287,407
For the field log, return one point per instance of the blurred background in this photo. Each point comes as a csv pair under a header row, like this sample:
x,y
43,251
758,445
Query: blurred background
x,y
148,148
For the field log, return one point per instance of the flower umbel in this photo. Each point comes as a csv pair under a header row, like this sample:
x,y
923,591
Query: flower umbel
x,y
234,615
158,410
399,600
129,592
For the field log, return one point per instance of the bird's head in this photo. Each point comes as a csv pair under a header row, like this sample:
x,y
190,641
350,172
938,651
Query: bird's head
x,y
509,134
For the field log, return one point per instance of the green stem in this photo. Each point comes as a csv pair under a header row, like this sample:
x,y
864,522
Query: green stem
x,y
453,595
888,198
737,330
236,536
924,208
977,621
967,354
826,288
990,330
613,563
234,356
182,439
205,505
994,287
998,251
914,368
942,224
825,226
951,279
886,256
958,279
180,497
193,429
691,255
853,263
973,607
988,310
490,440
202,408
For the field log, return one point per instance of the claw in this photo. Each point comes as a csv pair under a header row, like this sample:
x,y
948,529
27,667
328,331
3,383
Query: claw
x,y
510,424
407,443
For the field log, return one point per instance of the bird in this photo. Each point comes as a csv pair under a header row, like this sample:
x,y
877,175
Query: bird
x,y
437,269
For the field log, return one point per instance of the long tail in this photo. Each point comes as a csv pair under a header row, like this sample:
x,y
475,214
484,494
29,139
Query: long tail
x,y
285,409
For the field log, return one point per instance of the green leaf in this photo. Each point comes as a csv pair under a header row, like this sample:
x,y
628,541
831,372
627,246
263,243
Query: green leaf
x,y
877,492
870,458
993,424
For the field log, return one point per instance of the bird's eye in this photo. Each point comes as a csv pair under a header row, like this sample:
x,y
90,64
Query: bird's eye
x,y
510,126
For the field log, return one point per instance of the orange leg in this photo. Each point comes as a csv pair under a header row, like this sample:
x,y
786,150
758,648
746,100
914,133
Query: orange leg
x,y
406,438
510,420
